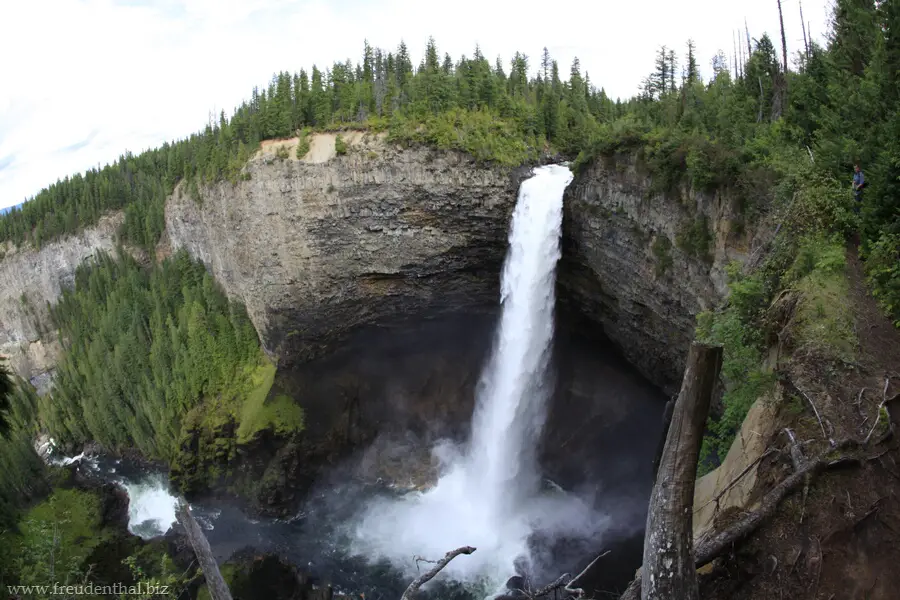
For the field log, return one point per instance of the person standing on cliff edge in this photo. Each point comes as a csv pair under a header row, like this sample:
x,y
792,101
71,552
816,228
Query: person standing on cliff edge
x,y
859,182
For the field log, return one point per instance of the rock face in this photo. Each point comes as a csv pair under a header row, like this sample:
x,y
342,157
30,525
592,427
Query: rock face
x,y
28,281
628,262
317,247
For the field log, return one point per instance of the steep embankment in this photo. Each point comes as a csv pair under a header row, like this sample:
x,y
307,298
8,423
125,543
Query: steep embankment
x,y
643,262
317,247
29,280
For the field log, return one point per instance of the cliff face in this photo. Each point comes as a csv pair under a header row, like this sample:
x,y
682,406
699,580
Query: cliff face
x,y
30,279
317,247
631,261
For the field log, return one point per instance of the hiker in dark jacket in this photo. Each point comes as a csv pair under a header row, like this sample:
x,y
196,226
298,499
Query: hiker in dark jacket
x,y
859,182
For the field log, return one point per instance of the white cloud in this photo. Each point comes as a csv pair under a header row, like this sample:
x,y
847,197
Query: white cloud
x,y
102,76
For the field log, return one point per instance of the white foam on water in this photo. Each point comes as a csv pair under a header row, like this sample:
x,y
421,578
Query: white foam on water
x,y
151,507
489,494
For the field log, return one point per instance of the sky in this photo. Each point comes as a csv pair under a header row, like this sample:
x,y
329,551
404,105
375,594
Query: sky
x,y
81,81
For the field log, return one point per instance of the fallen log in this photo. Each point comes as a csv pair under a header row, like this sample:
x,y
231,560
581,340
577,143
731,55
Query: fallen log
x,y
215,583
668,540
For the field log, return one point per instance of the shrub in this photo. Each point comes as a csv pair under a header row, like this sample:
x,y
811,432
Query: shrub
x,y
695,239
661,249
303,144
883,273
737,329
340,146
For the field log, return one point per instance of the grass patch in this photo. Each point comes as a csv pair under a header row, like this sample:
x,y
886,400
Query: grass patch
x,y
824,323
480,133
340,146
745,377
883,274
228,571
696,239
258,413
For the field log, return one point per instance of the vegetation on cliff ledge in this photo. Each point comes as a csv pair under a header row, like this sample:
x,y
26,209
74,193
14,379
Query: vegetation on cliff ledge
x,y
152,356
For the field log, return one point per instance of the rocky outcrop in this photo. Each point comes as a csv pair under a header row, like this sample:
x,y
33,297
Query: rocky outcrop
x,y
31,279
633,261
318,247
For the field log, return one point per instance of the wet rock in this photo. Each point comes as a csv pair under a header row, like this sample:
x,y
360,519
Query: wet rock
x,y
114,506
254,576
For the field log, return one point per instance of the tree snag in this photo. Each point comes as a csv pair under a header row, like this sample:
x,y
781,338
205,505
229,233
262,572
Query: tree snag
x,y
668,541
714,546
215,583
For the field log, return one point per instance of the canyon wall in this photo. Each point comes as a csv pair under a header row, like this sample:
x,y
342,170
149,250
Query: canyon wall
x,y
29,280
317,247
631,261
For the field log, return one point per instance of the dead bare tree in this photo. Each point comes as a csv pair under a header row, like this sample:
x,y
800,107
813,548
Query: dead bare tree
x,y
747,30
803,26
668,540
722,541
784,55
424,578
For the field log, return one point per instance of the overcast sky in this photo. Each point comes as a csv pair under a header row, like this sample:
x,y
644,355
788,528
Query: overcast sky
x,y
83,80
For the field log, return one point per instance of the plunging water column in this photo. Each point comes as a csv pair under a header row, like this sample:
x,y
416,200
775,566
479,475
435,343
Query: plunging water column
x,y
488,495
512,396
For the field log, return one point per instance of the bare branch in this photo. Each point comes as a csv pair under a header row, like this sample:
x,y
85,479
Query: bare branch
x,y
578,592
740,476
815,410
884,400
426,577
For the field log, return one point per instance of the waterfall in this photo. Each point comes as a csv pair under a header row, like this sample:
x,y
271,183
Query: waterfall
x,y
511,401
488,495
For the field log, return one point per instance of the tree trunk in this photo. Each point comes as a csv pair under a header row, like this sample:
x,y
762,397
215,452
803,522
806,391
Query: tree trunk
x,y
218,589
668,571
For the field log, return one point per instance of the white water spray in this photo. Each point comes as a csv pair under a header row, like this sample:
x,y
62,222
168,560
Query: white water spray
x,y
489,495
151,507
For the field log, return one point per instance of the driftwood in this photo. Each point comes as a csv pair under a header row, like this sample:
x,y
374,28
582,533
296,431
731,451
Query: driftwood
x,y
668,540
218,589
426,577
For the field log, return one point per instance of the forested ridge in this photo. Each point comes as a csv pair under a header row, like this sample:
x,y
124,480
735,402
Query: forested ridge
x,y
469,104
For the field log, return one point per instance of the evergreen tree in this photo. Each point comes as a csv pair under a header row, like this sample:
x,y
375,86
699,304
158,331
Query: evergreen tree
x,y
692,73
6,391
854,29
